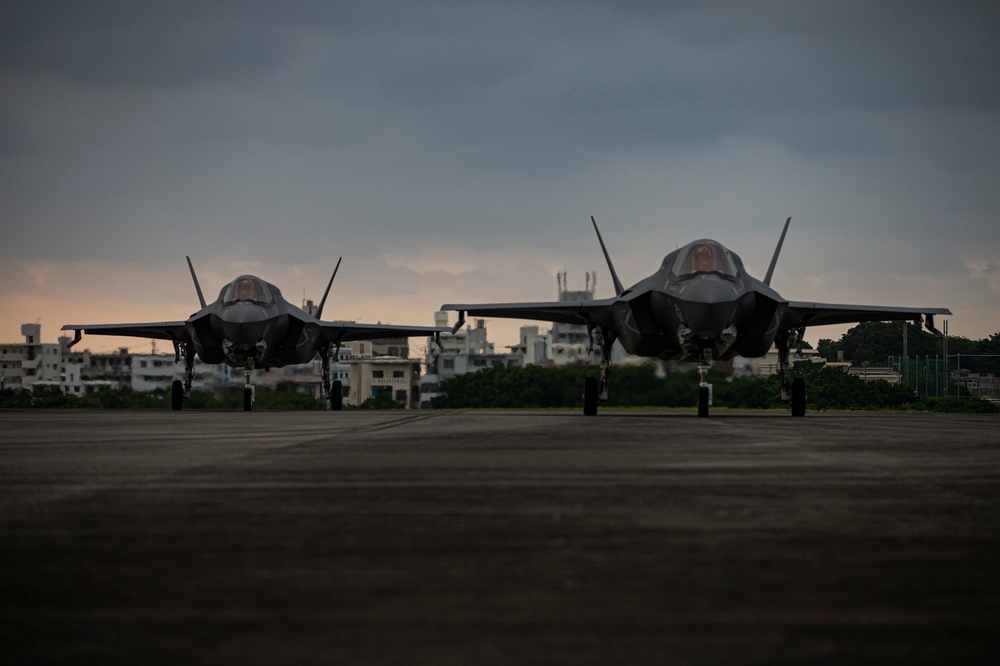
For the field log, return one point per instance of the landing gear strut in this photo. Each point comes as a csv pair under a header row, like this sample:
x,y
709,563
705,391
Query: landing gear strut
x,y
247,388
332,392
595,390
181,391
797,396
704,388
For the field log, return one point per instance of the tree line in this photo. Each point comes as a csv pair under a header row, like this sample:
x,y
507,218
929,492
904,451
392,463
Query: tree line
x,y
874,342
284,396
642,386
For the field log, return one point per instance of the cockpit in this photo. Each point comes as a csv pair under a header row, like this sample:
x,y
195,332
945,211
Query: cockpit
x,y
248,288
704,256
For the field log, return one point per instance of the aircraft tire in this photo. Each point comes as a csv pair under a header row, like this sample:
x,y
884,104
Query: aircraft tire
x,y
247,399
590,396
176,395
703,402
337,396
798,397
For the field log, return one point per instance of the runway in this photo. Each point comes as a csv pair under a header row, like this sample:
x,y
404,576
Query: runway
x,y
498,537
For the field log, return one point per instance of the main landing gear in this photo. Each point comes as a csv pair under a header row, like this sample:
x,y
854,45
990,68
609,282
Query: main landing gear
x,y
595,390
333,392
797,395
177,395
181,391
590,396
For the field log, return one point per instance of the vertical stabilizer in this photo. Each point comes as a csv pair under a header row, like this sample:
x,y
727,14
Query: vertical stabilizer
x,y
607,257
201,297
777,251
319,310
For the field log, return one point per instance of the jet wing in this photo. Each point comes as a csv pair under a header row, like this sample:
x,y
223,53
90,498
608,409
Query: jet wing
x,y
176,331
345,331
565,312
799,313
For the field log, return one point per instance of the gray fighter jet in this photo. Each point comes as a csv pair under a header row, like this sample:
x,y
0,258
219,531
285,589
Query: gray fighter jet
x,y
251,326
700,306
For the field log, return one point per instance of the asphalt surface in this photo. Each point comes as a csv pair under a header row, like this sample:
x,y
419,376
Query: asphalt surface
x,y
498,538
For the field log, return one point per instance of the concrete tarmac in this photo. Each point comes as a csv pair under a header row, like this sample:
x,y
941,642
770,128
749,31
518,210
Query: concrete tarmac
x,y
498,538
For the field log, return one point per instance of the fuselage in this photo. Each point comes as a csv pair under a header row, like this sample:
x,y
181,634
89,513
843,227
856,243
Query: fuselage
x,y
251,325
699,304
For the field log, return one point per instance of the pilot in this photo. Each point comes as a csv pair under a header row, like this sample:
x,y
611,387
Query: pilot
x,y
703,258
246,290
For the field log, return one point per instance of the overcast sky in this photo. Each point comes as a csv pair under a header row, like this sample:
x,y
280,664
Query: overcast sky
x,y
454,151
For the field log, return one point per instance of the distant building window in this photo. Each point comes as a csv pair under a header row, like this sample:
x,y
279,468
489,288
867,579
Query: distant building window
x,y
400,396
398,374
449,364
378,374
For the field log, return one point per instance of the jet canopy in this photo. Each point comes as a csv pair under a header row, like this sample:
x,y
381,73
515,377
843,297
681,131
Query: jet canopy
x,y
703,256
247,288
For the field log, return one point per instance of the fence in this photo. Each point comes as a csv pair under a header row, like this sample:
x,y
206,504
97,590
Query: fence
x,y
941,376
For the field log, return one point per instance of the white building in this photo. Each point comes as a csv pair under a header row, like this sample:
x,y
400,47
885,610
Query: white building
x,y
464,351
158,371
371,376
308,377
32,364
152,371
536,347
19,360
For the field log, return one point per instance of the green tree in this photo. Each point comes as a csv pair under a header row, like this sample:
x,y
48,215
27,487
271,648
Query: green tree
x,y
286,396
382,400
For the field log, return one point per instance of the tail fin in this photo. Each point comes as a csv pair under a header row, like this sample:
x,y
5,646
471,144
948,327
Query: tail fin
x,y
319,310
607,257
201,297
777,250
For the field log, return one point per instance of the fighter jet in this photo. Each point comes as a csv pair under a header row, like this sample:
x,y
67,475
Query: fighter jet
x,y
700,305
252,326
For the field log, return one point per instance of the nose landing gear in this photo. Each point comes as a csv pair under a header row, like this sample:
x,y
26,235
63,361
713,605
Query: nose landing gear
x,y
247,388
704,388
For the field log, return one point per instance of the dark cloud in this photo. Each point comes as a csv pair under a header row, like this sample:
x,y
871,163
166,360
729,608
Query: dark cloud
x,y
288,132
140,44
